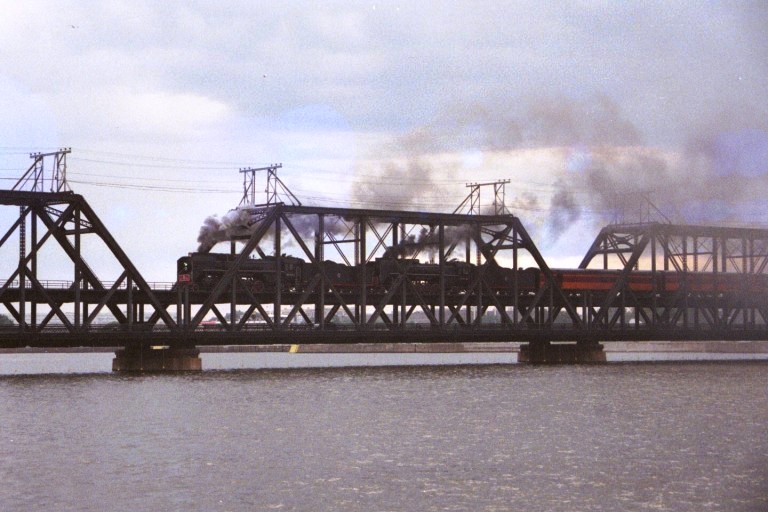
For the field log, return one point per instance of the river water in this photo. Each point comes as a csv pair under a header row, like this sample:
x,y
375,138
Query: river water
x,y
682,436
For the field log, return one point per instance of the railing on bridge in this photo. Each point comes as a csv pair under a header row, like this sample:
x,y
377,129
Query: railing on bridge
x,y
60,284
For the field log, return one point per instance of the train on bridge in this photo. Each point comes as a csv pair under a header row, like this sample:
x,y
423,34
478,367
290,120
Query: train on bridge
x,y
202,271
696,282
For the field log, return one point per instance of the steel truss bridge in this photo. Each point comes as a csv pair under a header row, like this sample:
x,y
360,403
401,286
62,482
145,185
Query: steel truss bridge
x,y
57,233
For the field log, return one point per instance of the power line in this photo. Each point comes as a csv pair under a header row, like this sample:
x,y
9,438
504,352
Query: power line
x,y
231,165
155,188
134,156
522,186
433,203
134,178
155,166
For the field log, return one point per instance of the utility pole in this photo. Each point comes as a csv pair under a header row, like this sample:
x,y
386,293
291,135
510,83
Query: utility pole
x,y
273,185
35,178
473,199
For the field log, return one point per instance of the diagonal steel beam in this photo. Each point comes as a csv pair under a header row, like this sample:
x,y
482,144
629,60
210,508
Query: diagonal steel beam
x,y
56,231
622,280
123,259
318,265
549,277
226,278
54,305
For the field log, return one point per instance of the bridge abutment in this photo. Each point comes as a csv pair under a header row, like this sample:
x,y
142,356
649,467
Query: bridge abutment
x,y
545,352
157,359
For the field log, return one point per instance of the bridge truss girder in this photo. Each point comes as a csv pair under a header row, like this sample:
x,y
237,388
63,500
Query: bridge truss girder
x,y
356,238
409,308
717,254
75,302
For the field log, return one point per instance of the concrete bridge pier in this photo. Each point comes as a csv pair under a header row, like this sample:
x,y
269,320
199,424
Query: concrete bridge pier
x,y
546,352
143,358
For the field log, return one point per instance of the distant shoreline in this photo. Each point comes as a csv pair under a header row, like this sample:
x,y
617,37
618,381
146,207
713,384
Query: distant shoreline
x,y
705,347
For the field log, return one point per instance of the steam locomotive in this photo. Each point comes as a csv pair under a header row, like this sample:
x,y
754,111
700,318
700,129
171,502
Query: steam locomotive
x,y
201,271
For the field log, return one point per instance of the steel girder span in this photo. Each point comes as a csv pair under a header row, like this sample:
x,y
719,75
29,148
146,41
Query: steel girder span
x,y
309,275
55,291
676,281
306,274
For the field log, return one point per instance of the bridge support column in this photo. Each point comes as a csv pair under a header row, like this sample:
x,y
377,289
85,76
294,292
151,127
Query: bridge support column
x,y
156,359
545,352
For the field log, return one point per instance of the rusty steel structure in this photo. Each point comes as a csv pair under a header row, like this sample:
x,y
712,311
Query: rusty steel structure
x,y
302,274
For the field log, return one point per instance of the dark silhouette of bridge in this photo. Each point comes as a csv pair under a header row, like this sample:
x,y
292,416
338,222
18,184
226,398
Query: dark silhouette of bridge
x,y
307,275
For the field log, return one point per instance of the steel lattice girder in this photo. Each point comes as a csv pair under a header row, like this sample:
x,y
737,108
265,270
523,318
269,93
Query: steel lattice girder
x,y
691,252
359,236
364,233
66,221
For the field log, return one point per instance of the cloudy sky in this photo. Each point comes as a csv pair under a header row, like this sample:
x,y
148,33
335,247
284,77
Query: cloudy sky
x,y
592,109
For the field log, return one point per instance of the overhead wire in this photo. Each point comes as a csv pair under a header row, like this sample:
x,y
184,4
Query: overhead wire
x,y
217,165
148,165
108,158
134,156
361,179
155,188
114,176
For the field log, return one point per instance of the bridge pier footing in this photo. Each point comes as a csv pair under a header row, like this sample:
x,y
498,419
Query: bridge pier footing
x,y
545,352
157,359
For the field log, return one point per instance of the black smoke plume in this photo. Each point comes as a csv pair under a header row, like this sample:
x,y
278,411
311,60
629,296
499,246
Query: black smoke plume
x,y
609,172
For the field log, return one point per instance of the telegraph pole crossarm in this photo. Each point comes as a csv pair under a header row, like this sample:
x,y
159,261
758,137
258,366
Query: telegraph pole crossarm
x,y
273,182
473,198
35,179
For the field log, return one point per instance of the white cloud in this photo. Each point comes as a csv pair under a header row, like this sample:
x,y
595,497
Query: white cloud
x,y
327,88
166,114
